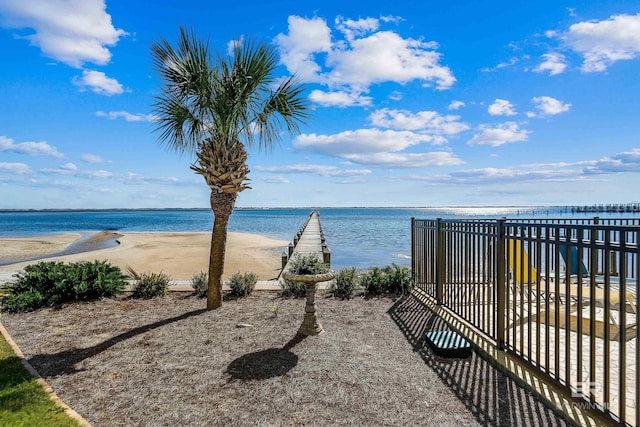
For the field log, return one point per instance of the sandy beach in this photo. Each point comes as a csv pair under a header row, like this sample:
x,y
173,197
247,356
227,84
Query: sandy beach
x,y
179,255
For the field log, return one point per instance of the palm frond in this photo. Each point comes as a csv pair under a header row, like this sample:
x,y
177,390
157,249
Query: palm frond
x,y
230,100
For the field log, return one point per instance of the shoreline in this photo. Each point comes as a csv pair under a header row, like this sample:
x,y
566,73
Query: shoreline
x,y
178,254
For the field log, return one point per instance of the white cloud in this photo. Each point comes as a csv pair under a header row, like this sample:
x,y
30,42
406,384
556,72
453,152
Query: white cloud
x,y
499,135
381,148
622,162
67,169
233,44
391,18
542,172
339,99
508,175
407,160
362,58
129,117
17,168
385,56
276,180
99,174
395,95
554,63
98,82
548,106
352,29
322,170
513,61
71,31
456,105
29,148
306,38
361,141
92,158
502,107
429,121
601,43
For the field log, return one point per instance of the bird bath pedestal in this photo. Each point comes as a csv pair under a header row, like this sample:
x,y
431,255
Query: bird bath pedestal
x,y
310,325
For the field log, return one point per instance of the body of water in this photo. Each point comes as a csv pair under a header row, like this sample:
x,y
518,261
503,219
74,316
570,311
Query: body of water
x,y
361,237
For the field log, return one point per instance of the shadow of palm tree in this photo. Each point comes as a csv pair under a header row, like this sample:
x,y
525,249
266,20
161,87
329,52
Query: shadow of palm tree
x,y
492,396
64,362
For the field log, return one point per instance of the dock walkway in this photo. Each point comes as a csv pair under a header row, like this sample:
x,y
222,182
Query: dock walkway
x,y
308,241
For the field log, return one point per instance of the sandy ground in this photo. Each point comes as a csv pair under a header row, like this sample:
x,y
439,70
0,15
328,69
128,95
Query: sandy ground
x,y
179,255
31,247
168,362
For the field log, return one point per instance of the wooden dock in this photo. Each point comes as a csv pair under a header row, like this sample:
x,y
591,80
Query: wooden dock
x,y
308,241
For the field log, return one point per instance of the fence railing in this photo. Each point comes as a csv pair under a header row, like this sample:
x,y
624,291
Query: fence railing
x,y
559,293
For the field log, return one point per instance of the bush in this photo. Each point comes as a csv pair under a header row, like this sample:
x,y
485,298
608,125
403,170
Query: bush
x,y
21,303
345,283
375,282
293,289
47,283
307,264
149,285
242,284
398,279
390,279
200,283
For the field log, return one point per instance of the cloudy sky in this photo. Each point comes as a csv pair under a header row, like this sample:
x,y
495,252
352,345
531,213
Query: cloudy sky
x,y
427,103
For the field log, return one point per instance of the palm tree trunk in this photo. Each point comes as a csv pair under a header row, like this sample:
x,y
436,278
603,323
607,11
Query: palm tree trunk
x,y
222,205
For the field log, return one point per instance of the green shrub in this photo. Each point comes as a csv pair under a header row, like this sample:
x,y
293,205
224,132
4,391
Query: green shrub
x,y
47,283
200,283
375,282
302,264
93,280
242,284
345,283
307,264
398,279
293,289
390,279
149,285
21,303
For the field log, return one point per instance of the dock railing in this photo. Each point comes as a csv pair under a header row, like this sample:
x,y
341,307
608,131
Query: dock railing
x,y
561,294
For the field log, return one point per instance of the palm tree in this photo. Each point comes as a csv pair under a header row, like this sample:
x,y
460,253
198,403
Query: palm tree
x,y
217,109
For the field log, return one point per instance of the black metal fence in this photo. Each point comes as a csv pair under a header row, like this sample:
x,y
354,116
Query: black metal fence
x,y
559,293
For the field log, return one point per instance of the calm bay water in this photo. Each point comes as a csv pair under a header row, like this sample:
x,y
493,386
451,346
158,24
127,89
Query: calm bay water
x,y
361,237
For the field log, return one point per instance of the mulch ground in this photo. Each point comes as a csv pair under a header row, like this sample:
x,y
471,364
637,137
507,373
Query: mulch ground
x,y
168,362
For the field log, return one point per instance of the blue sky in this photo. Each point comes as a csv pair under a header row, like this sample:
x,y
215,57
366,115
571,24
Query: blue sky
x,y
414,103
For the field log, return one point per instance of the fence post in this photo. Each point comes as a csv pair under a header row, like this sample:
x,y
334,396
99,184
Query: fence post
x,y
440,258
413,251
501,271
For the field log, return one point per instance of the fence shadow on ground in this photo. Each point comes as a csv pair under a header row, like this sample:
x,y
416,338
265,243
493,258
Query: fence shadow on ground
x,y
492,396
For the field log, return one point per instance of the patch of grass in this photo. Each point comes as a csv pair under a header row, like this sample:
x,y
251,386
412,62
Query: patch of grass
x,y
22,400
